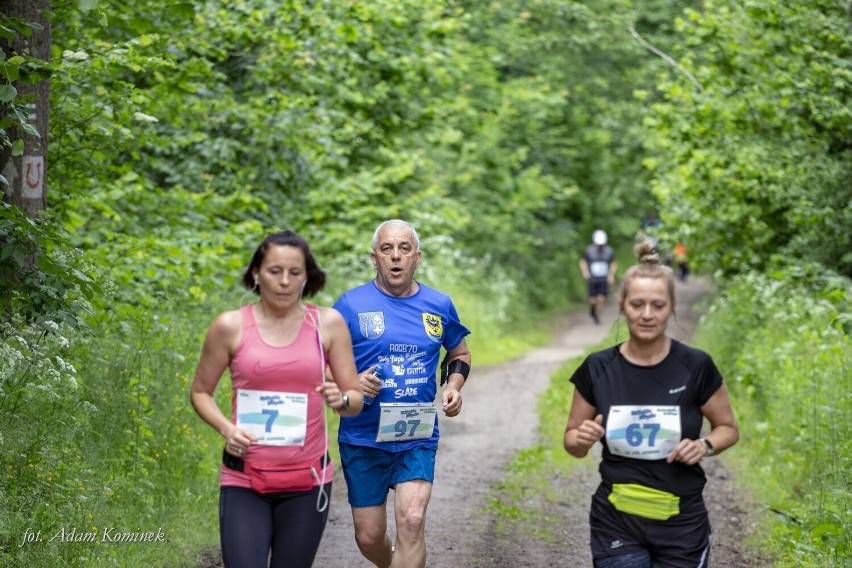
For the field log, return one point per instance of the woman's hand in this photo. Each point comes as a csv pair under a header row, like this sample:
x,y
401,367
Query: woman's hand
x,y
590,431
331,394
688,451
237,441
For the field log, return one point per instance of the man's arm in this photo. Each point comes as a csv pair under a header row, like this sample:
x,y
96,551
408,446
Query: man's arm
x,y
457,376
584,268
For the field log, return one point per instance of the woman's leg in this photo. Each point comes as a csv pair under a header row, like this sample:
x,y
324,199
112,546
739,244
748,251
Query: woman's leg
x,y
298,528
245,527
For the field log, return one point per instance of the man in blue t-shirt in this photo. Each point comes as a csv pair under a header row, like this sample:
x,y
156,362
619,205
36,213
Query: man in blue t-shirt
x,y
398,328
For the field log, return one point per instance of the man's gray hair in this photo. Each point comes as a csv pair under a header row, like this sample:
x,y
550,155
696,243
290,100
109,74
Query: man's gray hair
x,y
395,222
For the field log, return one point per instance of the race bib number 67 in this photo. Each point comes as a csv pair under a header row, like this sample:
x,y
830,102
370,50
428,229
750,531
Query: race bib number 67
x,y
643,432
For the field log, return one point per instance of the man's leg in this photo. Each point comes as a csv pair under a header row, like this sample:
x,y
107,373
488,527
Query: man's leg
x,y
600,300
593,308
371,534
367,472
412,498
592,300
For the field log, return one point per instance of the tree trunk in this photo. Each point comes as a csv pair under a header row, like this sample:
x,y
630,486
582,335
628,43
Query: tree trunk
x,y
27,173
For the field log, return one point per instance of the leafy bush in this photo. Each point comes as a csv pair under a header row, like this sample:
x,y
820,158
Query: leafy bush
x,y
44,277
103,446
787,358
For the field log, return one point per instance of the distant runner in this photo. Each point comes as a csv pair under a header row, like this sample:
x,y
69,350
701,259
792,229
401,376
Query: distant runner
x,y
598,267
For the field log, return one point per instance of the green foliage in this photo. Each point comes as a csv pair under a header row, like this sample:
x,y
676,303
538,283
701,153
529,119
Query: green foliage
x,y
491,304
755,164
378,110
787,358
43,277
104,446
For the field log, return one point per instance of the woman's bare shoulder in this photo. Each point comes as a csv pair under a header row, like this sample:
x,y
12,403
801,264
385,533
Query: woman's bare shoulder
x,y
227,324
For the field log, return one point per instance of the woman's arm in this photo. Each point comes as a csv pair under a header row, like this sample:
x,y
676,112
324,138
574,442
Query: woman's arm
x,y
584,427
219,346
724,432
341,362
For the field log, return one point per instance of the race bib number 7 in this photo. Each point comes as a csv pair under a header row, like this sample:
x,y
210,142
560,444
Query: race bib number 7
x,y
401,422
275,418
643,432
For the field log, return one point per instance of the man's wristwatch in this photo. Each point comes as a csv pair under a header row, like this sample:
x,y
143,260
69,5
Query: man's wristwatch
x,y
345,399
709,447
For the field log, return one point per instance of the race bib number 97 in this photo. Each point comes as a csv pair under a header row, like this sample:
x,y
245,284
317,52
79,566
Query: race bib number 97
x,y
643,432
401,422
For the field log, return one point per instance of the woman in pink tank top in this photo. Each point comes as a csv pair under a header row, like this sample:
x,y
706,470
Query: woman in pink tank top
x,y
276,477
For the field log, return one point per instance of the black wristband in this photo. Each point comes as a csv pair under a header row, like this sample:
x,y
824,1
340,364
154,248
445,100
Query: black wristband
x,y
456,366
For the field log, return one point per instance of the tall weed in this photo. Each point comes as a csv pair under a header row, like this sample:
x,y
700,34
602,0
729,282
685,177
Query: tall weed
x,y
786,356
102,462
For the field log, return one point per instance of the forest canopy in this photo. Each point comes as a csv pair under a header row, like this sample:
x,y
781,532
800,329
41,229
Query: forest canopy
x,y
507,131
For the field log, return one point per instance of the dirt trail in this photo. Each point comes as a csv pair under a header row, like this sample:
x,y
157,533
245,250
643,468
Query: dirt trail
x,y
498,419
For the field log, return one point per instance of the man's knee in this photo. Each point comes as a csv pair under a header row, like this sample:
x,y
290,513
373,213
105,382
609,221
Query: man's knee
x,y
412,520
370,527
369,535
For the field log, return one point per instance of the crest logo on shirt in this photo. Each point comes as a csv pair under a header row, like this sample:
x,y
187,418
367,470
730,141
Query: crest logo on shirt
x,y
372,324
433,326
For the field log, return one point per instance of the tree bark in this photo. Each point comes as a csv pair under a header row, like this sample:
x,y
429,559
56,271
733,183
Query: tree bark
x,y
27,173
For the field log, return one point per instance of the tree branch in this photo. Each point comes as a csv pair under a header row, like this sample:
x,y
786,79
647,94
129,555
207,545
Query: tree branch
x,y
663,56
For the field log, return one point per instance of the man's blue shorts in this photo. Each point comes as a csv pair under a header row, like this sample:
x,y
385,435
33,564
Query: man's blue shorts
x,y
370,472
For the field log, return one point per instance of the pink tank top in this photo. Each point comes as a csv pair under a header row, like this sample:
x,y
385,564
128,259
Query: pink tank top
x,y
297,368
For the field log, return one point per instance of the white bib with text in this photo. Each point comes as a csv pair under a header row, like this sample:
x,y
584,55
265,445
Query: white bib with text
x,y
400,422
643,432
599,268
276,418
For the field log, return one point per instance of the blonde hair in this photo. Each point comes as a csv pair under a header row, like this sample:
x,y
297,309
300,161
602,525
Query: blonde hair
x,y
649,266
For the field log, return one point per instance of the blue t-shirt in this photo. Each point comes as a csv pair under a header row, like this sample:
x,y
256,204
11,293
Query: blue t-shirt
x,y
405,335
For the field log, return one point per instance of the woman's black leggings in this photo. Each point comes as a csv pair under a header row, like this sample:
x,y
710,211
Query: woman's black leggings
x,y
287,525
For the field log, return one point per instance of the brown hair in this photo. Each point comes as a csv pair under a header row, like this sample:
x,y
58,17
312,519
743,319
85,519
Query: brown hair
x,y
316,276
648,267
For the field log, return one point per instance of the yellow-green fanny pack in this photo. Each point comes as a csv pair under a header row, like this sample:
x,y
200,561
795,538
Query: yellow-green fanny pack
x,y
646,502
